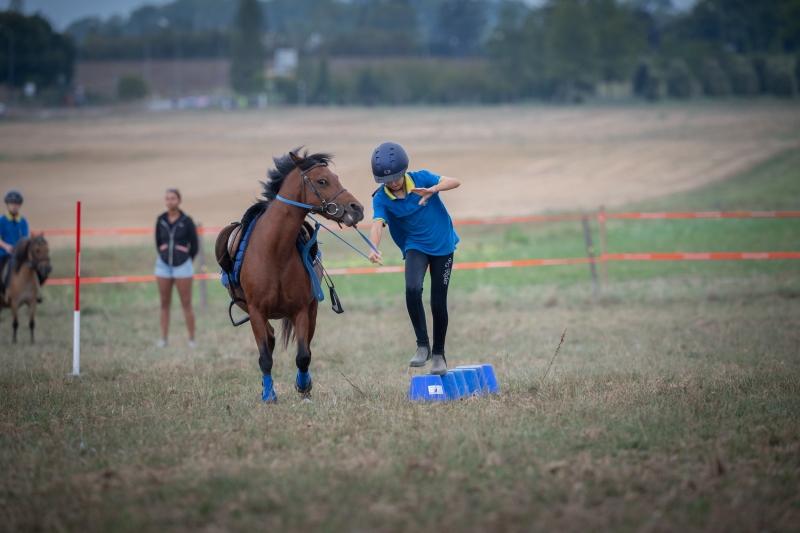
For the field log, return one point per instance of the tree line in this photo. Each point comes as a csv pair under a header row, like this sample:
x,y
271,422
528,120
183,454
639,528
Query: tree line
x,y
441,51
562,50
32,52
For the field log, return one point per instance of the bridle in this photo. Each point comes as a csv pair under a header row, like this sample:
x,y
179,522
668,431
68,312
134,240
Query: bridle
x,y
327,206
32,262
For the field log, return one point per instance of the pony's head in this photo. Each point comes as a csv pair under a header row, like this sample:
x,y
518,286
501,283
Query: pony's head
x,y
315,184
35,252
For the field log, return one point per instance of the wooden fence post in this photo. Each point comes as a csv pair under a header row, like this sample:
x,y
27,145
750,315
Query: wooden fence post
x,y
601,220
587,237
201,266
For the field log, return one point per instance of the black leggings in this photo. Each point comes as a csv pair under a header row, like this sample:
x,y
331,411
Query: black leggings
x,y
440,266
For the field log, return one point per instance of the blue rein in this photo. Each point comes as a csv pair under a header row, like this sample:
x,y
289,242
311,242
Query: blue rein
x,y
301,205
319,224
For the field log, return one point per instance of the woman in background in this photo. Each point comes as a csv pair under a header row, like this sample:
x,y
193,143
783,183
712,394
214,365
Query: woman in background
x,y
176,242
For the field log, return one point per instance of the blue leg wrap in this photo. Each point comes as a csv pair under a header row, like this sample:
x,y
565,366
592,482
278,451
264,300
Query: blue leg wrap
x,y
303,383
268,394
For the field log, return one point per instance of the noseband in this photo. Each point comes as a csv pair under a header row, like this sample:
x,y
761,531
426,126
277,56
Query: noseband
x,y
327,206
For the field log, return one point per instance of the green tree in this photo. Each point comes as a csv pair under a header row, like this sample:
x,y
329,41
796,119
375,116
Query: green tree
x,y
746,26
715,80
30,51
322,91
460,27
679,79
563,49
131,88
383,27
247,50
368,87
619,39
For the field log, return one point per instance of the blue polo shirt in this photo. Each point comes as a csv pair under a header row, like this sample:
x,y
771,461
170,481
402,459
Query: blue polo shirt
x,y
12,229
427,228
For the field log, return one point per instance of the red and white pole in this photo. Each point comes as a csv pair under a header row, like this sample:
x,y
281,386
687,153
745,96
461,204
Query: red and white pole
x,y
76,324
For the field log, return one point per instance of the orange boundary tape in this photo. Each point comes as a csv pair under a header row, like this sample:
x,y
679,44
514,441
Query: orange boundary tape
x,y
481,265
703,215
688,215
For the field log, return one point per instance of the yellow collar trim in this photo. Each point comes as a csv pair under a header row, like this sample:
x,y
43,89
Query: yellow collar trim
x,y
409,186
13,218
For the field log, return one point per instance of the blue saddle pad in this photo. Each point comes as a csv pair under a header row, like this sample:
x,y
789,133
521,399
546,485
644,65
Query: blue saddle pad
x,y
307,247
232,278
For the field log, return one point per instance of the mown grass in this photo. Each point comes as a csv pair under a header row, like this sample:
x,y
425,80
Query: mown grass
x,y
673,404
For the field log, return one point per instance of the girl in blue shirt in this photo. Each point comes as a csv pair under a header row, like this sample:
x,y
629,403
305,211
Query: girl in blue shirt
x,y
409,203
13,228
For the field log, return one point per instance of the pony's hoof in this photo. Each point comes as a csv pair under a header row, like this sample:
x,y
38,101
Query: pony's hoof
x,y
268,392
303,384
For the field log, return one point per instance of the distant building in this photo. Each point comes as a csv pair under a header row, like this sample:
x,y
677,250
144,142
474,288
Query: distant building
x,y
285,62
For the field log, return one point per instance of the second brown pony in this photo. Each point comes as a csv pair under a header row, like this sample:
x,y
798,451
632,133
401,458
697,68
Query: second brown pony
x,y
27,272
274,281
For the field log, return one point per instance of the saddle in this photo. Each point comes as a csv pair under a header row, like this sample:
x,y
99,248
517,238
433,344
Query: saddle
x,y
227,245
230,256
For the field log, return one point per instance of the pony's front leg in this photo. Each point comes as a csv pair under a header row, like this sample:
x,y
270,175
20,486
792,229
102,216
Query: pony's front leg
x,y
304,324
265,340
31,319
14,322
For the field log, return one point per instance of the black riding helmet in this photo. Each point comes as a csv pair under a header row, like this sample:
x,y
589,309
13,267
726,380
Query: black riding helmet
x,y
13,197
389,162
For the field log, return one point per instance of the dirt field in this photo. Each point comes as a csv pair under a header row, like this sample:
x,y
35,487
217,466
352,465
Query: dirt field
x,y
513,160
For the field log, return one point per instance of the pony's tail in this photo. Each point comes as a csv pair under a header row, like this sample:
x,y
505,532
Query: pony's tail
x,y
287,333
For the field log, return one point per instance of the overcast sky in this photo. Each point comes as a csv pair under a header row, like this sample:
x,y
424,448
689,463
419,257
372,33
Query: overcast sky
x,y
62,12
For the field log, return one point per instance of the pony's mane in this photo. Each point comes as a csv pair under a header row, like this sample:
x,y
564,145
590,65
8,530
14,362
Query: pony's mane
x,y
21,252
284,165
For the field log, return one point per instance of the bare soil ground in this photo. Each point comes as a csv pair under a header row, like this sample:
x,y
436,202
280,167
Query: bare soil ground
x,y
513,160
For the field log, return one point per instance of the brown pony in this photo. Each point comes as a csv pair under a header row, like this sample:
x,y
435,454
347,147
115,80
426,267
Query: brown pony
x,y
29,268
273,279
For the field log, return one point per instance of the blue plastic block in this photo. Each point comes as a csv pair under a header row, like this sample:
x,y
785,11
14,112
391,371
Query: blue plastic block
x,y
426,388
491,379
461,383
472,380
481,376
451,386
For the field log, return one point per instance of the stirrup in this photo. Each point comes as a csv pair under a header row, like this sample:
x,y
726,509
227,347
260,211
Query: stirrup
x,y
237,323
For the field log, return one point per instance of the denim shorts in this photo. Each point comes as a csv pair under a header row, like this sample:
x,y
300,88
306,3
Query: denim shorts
x,y
163,270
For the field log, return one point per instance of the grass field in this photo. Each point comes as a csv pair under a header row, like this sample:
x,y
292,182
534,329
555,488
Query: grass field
x,y
674,403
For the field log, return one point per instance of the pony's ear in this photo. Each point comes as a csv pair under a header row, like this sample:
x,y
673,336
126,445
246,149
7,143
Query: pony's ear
x,y
295,158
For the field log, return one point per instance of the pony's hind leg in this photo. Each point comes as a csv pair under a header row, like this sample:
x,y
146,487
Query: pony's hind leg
x,y
265,340
305,323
